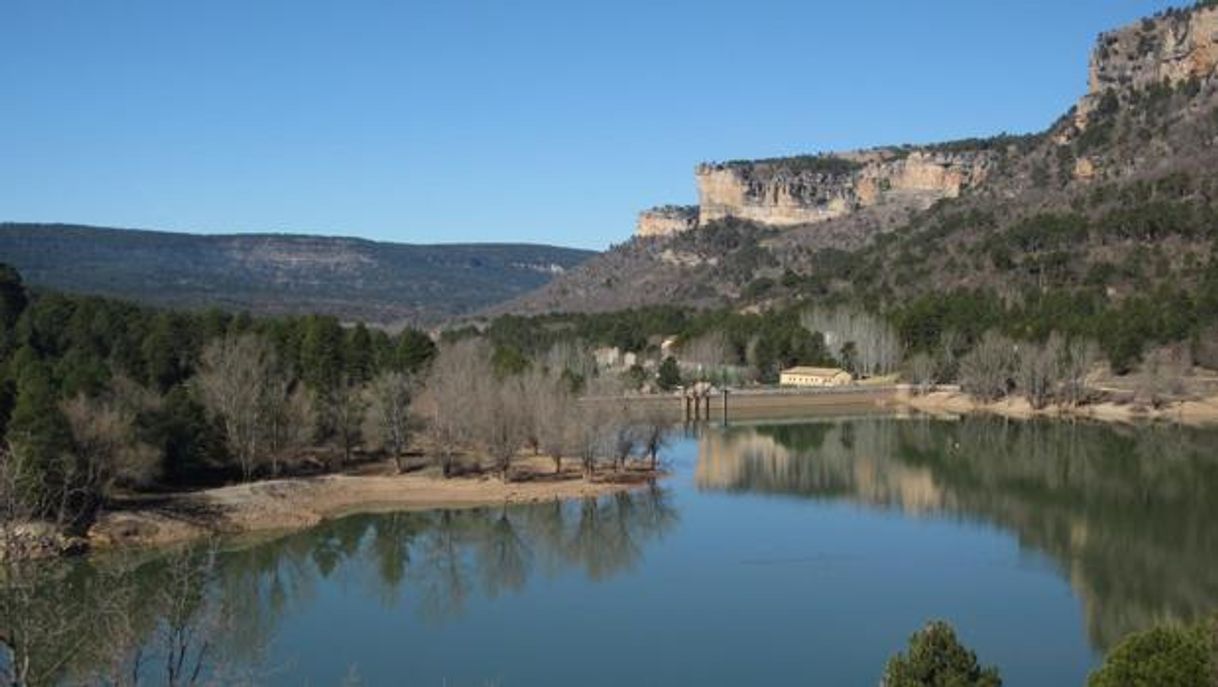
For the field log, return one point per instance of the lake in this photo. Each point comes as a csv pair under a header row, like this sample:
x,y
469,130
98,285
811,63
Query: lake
x,y
801,552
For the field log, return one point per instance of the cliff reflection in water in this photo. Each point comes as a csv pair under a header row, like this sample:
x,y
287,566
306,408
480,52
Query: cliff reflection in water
x,y
235,595
1128,513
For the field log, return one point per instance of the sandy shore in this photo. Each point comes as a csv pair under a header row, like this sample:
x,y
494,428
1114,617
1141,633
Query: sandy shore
x,y
954,402
298,503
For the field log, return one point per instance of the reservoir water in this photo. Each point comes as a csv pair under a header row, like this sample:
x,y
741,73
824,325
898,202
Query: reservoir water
x,y
796,552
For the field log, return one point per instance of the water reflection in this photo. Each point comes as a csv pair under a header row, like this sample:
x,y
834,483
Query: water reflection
x,y
1127,513
119,621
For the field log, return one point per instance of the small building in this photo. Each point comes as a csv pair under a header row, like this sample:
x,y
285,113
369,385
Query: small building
x,y
815,376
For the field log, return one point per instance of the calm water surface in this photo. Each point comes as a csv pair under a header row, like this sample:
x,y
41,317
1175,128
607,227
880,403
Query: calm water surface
x,y
793,553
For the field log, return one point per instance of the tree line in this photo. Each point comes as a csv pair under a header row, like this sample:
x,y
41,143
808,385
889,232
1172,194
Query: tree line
x,y
99,396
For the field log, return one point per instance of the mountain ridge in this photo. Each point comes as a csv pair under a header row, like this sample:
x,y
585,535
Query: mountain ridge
x,y
846,225
281,273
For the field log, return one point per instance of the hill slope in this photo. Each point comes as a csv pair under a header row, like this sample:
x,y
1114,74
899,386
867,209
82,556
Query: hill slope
x,y
1119,197
281,274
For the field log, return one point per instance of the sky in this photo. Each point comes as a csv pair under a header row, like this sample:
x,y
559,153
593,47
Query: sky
x,y
459,121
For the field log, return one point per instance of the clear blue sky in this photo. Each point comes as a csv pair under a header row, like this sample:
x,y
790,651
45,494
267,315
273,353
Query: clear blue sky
x,y
490,121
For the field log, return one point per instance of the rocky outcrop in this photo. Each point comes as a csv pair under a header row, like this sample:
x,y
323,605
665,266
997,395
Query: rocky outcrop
x,y
798,191
666,220
1173,47
1169,49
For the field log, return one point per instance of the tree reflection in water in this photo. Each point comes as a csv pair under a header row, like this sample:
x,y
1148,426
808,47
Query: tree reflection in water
x,y
1127,513
105,619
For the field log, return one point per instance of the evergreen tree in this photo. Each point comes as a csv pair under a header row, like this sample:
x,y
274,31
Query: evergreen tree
x,y
670,374
12,297
358,355
42,443
321,354
936,658
414,350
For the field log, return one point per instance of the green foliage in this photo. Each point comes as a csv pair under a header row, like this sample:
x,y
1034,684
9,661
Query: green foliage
x,y
1171,656
12,303
60,346
414,351
358,354
831,165
42,444
936,658
321,353
669,376
508,361
379,281
192,448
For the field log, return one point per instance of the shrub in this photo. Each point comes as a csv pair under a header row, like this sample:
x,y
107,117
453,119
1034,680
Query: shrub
x,y
1181,656
936,658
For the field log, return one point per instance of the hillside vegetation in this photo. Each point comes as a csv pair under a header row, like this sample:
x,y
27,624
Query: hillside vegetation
x,y
1104,226
278,274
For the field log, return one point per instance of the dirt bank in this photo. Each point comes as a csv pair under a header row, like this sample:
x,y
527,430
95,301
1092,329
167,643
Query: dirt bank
x,y
297,503
955,402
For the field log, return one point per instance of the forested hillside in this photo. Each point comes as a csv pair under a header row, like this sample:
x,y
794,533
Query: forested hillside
x,y
1103,226
276,274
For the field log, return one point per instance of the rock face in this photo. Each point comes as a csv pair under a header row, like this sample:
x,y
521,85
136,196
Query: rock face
x,y
666,220
797,191
1170,48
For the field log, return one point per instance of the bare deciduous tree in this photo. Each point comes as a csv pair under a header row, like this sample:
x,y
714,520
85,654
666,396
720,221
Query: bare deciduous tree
x,y
922,368
456,378
290,416
986,370
554,410
590,426
1162,376
349,408
654,427
389,418
1077,358
876,349
105,443
233,378
500,422
1037,371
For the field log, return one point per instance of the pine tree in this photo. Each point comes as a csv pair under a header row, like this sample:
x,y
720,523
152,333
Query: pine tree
x,y
414,350
42,442
358,356
670,374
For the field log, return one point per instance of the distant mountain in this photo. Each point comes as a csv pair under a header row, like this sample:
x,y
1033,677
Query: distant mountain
x,y
280,273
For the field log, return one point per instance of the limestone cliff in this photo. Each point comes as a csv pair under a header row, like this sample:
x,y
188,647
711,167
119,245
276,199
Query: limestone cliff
x,y
1172,49
1168,49
666,220
808,190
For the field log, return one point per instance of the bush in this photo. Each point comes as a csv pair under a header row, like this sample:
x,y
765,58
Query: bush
x,y
936,658
1181,656
669,376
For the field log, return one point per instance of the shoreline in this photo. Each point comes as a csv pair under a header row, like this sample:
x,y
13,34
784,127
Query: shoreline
x,y
295,503
1193,413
